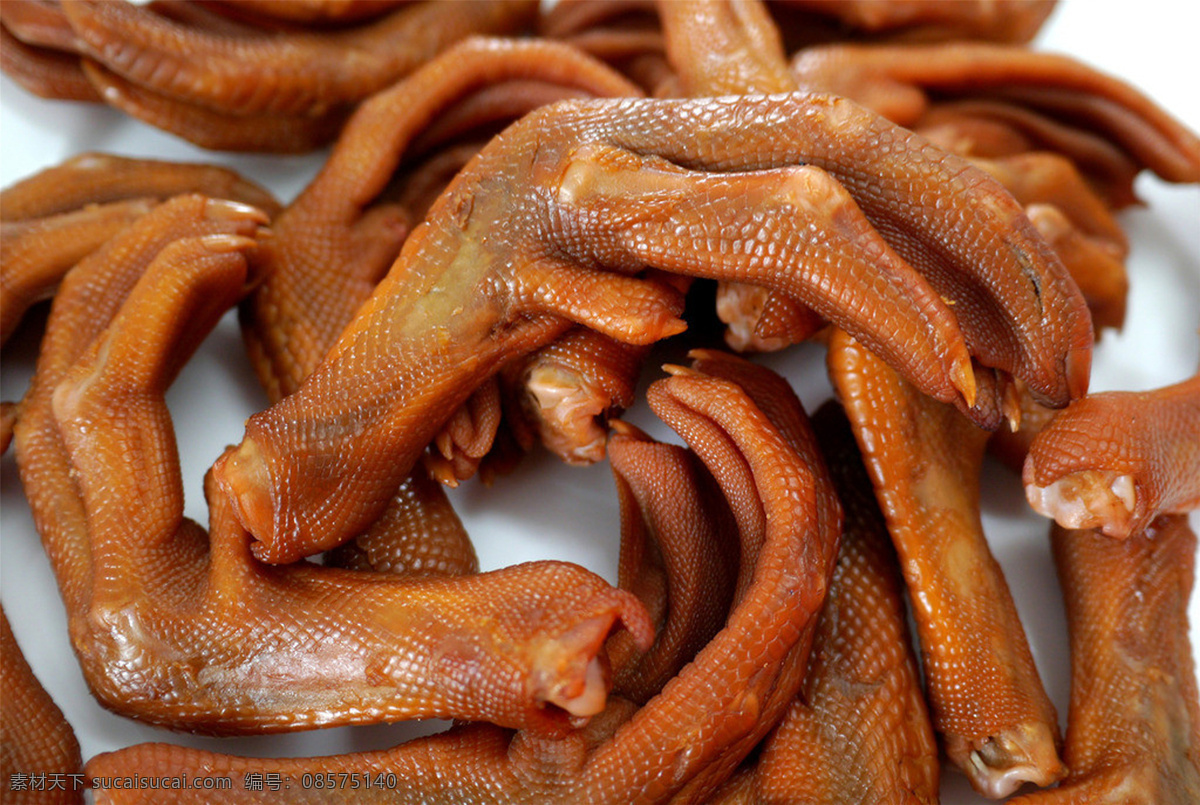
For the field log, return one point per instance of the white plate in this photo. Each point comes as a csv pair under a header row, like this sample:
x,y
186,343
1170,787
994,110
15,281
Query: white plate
x,y
545,511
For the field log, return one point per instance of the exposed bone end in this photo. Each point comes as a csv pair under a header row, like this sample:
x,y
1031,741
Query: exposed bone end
x,y
571,671
1101,499
740,308
568,411
242,475
1003,763
587,696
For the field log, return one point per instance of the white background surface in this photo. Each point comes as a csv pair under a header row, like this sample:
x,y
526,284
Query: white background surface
x,y
544,510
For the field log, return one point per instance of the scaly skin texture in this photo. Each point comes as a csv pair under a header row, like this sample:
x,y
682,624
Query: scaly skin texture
x,y
684,741
335,241
894,81
677,555
36,254
418,535
95,178
1076,222
722,48
1009,21
1133,732
859,731
45,72
1097,270
242,86
1117,460
35,739
51,220
187,631
994,129
301,74
996,722
207,128
516,246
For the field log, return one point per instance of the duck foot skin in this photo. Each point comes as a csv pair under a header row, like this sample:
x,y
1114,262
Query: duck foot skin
x,y
988,704
517,246
36,738
1117,460
1133,731
748,430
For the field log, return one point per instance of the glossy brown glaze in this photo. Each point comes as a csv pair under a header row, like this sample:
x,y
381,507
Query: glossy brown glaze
x,y
302,74
40,762
315,11
894,82
997,723
236,83
345,221
992,128
35,255
337,239
923,20
566,392
213,641
45,72
418,535
1117,460
722,48
514,250
859,731
678,555
1133,731
686,740
96,178
51,220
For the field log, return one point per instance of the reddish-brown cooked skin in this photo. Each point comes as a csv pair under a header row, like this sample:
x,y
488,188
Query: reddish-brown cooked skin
x,y
418,535
185,630
1047,178
1117,460
40,23
565,393
723,48
924,458
683,742
334,243
994,129
35,739
894,81
315,11
1008,21
1076,223
36,254
51,220
301,74
1099,273
95,178
245,87
44,72
216,131
678,555
1133,731
517,245
859,730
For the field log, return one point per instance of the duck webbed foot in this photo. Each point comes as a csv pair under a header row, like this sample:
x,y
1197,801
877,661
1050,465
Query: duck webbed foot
x,y
550,225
